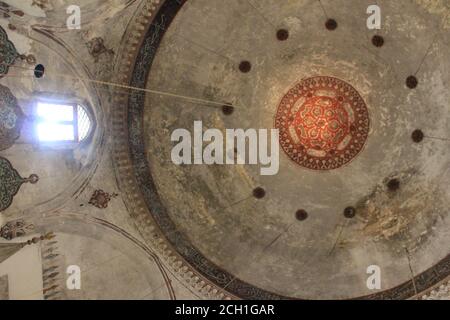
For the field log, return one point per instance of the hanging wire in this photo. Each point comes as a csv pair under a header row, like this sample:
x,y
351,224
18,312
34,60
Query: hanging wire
x,y
127,87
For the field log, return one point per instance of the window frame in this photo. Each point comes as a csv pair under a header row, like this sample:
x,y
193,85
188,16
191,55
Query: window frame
x,y
92,123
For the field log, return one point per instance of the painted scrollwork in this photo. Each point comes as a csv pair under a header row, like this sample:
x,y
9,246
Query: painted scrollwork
x,y
15,229
101,199
10,183
11,118
8,53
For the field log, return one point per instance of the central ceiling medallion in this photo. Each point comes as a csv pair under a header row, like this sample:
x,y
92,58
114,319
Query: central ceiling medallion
x,y
323,123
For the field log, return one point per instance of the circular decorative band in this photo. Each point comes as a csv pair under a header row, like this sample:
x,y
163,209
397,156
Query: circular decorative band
x,y
134,173
324,123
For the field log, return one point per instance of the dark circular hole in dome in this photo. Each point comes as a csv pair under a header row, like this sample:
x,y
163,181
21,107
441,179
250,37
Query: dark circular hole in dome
x,y
227,109
259,193
349,212
301,215
331,24
393,185
245,66
378,41
412,82
417,136
282,34
39,71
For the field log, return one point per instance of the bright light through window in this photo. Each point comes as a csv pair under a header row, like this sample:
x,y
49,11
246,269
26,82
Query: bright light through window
x,y
55,132
60,122
55,112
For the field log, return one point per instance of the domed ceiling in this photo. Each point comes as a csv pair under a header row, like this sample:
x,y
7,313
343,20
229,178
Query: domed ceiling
x,y
363,117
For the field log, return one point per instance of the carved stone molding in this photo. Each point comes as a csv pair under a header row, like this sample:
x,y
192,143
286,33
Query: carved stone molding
x,y
441,292
4,289
123,165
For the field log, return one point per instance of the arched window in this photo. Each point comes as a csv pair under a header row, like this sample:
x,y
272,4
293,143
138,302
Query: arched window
x,y
84,123
62,122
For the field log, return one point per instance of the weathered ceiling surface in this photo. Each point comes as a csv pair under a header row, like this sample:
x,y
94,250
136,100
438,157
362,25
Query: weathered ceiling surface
x,y
77,196
296,241
364,154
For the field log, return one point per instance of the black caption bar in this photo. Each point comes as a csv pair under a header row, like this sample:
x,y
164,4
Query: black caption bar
x,y
229,310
